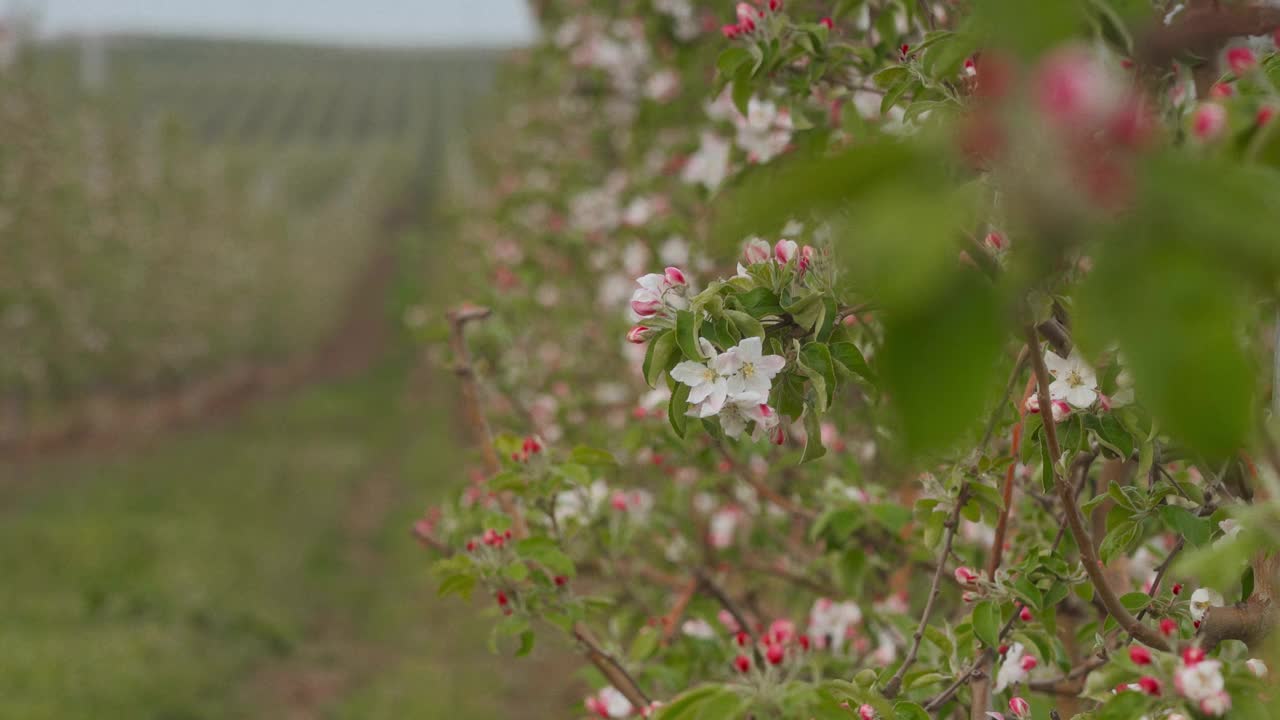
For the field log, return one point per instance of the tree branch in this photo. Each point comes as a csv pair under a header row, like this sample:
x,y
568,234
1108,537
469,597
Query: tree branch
x,y
608,666
1088,555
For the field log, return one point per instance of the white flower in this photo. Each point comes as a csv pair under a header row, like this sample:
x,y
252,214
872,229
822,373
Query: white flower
x,y
675,251
746,408
750,370
1011,670
698,628
1216,705
723,526
580,503
1230,530
830,622
708,383
1074,381
609,703
710,164
656,294
662,86
1199,681
1201,600
765,131
1256,666
886,649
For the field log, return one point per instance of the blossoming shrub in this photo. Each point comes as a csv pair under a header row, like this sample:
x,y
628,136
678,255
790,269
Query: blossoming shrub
x,y
879,359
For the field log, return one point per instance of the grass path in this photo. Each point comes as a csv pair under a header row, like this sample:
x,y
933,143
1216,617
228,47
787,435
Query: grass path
x,y
260,567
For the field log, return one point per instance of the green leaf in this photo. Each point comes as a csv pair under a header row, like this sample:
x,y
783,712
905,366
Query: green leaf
x,y
460,585
813,447
1183,522
545,551
590,456
890,76
526,643
687,705
677,409
687,335
816,357
986,623
939,361
760,302
645,643
909,711
731,59
1118,540
851,360
747,325
661,351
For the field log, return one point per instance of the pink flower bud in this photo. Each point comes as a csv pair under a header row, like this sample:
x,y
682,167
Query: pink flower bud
x,y
638,335
1149,685
745,12
1025,615
995,241
1004,648
675,276
1019,707
1265,113
618,501
742,663
742,638
1241,60
757,251
729,31
1139,655
1168,626
646,308
774,654
784,251
1192,655
866,712
777,436
1074,90
1028,662
806,257
968,596
1208,121
775,5
827,23
965,575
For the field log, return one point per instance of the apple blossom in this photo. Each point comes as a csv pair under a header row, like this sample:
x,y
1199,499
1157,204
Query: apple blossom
x,y
966,575
638,335
742,663
1256,666
830,622
708,383
698,628
709,166
1074,380
749,370
1019,707
866,712
1203,599
1208,121
1011,672
609,703
1199,680
1216,705
784,251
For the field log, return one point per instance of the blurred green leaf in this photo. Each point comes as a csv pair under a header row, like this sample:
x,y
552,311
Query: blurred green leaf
x,y
939,360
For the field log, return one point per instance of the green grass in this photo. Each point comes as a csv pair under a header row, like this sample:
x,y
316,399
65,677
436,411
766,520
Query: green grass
x,y
207,575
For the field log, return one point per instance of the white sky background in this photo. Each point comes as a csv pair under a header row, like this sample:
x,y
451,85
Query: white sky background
x,y
394,22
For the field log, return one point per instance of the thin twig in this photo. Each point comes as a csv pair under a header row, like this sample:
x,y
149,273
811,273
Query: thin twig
x,y
462,367
892,687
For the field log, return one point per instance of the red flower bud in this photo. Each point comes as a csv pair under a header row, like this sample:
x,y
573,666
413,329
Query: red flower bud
x,y
1192,655
774,654
502,598
560,580
1241,60
675,276
638,335
1019,707
743,639
1025,614
1139,655
827,23
1149,685
1168,627
1029,662
742,663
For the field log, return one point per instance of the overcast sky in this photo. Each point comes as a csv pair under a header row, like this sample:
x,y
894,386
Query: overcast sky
x,y
357,21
